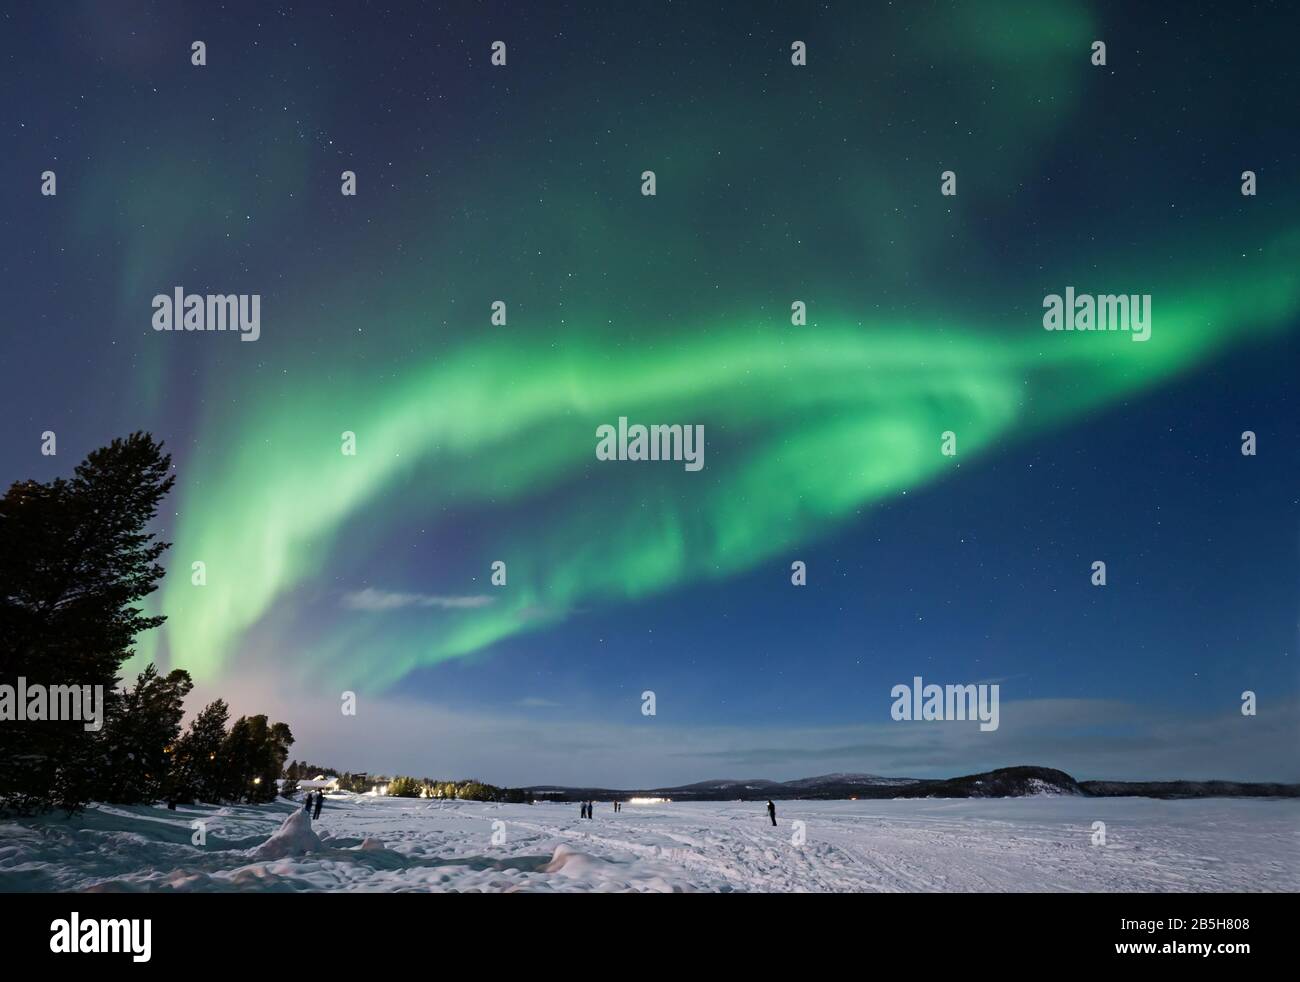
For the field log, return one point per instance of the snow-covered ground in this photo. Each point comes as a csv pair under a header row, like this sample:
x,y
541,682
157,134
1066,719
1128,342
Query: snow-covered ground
x,y
391,844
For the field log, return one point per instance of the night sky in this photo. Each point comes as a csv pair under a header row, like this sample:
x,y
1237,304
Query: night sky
x,y
475,442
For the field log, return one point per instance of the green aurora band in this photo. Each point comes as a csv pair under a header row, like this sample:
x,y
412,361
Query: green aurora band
x,y
805,427
822,187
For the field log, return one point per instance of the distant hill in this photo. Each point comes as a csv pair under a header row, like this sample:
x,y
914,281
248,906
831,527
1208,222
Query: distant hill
x,y
1005,782
823,780
748,789
721,784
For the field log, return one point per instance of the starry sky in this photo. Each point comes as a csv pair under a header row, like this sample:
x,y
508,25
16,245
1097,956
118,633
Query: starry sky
x,y
775,183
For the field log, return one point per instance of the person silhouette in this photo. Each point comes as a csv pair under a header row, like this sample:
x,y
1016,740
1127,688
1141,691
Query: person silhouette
x,y
771,812
320,800
306,805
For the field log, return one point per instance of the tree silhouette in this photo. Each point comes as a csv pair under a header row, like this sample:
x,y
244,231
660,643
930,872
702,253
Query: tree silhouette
x,y
76,556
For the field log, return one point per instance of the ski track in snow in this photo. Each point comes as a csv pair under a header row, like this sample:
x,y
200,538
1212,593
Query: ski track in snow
x,y
1041,843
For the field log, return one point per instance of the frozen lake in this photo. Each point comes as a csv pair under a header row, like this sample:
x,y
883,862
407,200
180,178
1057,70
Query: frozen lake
x,y
1023,844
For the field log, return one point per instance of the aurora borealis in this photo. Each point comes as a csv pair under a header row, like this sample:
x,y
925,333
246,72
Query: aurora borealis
x,y
815,425
475,441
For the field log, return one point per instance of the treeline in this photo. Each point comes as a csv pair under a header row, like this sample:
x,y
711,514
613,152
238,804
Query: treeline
x,y
404,786
242,764
75,560
423,787
306,771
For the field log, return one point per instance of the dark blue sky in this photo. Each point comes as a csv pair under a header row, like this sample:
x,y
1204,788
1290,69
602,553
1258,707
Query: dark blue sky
x,y
777,182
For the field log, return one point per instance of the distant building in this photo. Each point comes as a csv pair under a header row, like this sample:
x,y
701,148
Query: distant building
x,y
320,783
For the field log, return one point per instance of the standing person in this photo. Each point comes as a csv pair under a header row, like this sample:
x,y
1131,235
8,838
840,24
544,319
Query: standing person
x,y
306,805
771,811
591,809
582,810
320,800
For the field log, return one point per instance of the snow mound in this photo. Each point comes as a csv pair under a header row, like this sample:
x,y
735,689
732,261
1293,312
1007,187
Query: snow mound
x,y
294,838
570,862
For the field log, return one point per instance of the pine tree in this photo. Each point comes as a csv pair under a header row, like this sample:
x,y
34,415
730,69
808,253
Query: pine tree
x,y
289,787
254,753
279,740
404,787
200,765
141,737
238,751
75,560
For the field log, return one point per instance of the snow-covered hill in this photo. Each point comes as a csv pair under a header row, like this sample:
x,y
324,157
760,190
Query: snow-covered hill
x,y
864,780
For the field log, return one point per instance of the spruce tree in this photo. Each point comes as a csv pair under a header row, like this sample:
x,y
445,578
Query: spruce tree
x,y
404,787
289,787
141,737
200,764
237,753
253,753
76,558
278,742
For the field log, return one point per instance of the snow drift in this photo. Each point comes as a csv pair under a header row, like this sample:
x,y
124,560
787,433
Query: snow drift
x,y
295,837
